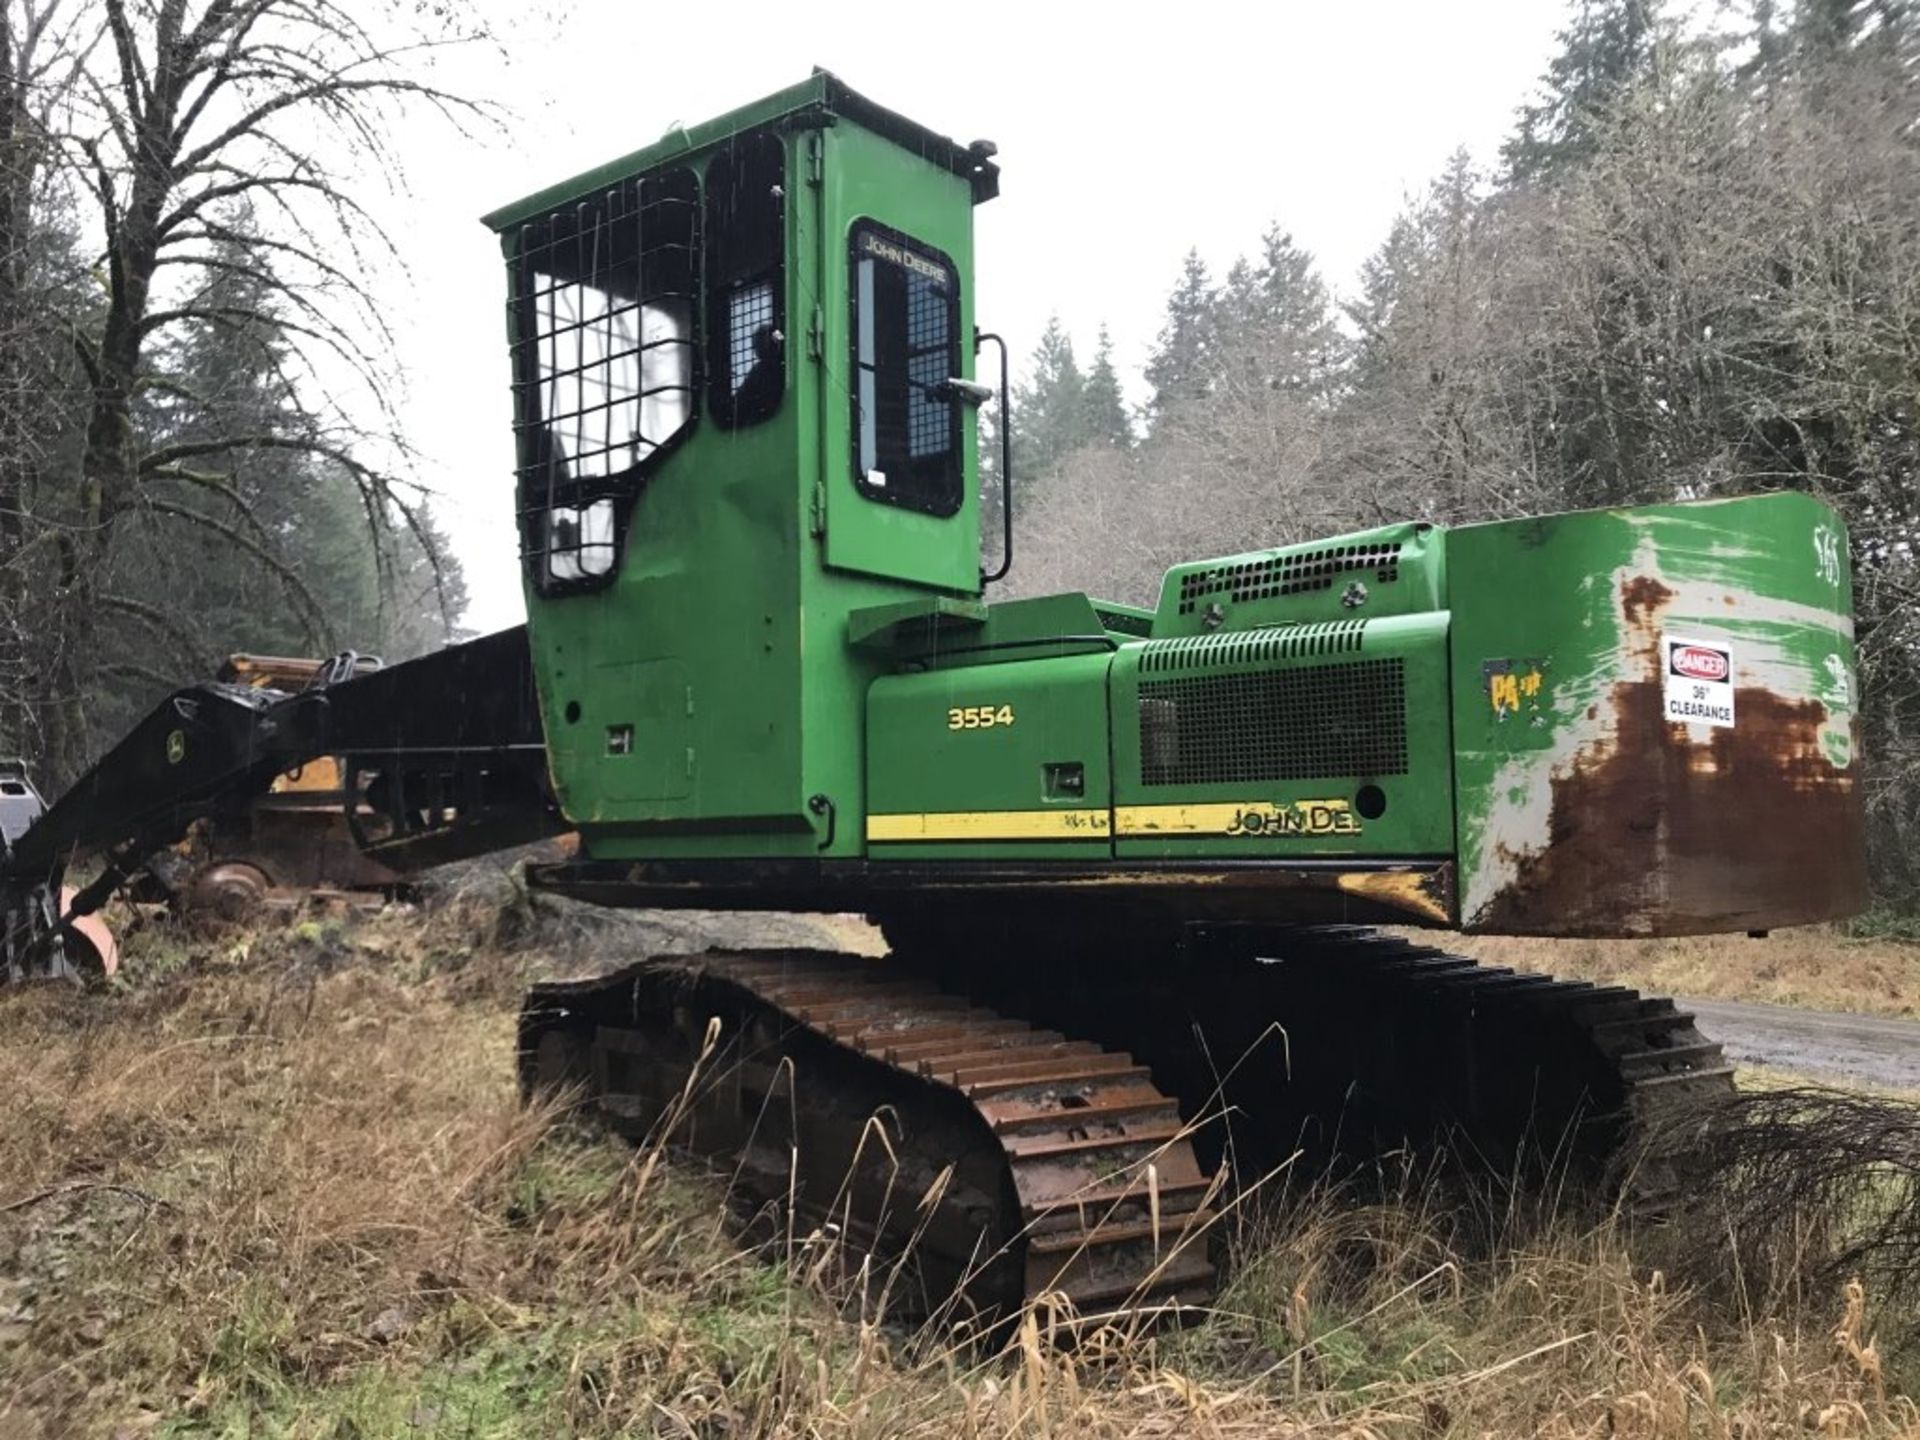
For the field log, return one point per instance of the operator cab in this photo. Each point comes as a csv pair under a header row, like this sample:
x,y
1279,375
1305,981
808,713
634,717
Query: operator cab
x,y
743,413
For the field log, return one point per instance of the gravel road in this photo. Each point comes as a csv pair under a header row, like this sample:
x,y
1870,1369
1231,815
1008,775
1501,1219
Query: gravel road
x,y
1873,1050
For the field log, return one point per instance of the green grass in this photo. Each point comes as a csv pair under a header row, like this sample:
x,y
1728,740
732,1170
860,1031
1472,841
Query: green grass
x,y
506,1389
1884,922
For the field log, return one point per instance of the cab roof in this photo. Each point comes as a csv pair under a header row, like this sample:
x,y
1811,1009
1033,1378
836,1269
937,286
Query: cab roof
x,y
820,94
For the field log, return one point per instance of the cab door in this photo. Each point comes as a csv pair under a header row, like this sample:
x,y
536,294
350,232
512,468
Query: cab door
x,y
896,494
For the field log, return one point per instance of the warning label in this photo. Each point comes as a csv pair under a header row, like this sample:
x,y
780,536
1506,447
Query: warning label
x,y
1699,681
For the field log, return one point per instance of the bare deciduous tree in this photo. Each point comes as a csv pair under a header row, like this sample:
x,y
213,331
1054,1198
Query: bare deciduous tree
x,y
213,140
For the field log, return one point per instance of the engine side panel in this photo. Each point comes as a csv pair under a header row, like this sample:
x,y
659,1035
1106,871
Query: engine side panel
x,y
1317,741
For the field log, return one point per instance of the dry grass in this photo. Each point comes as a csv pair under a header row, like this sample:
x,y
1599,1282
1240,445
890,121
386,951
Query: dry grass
x,y
1818,967
287,1189
1796,1191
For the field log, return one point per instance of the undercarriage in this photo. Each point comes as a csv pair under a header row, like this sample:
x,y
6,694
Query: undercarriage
x,y
1008,1110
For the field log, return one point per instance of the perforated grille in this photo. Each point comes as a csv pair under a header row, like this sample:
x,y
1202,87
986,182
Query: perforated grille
x,y
905,330
744,210
603,358
1290,574
1317,721
603,366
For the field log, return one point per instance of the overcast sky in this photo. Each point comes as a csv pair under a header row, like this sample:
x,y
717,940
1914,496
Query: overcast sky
x,y
1126,136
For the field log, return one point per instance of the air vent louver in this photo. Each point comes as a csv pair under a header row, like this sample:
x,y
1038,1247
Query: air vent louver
x,y
1254,647
1293,573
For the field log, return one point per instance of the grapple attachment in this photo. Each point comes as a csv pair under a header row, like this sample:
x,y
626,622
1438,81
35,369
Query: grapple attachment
x,y
39,937
419,783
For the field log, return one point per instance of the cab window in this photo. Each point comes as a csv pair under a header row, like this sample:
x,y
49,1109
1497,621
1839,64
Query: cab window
x,y
603,367
746,289
906,344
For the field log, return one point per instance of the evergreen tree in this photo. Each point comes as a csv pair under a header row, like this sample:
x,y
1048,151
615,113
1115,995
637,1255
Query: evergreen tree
x,y
1429,233
1828,47
1829,29
1105,421
1275,327
1177,371
1049,406
988,420
1769,41
1454,198
1608,45
1236,310
1386,278
1304,346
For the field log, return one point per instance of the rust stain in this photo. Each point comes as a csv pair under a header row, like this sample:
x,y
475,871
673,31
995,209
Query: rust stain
x,y
1415,891
1653,834
1642,598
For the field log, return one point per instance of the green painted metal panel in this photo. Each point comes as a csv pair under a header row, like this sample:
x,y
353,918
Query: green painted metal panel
x,y
1585,809
672,697
1390,570
708,703
678,145
921,623
798,106
1015,630
887,557
783,667
1258,744
1003,761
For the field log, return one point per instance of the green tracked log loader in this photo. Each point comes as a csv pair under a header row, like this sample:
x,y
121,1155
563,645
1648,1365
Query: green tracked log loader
x,y
1122,856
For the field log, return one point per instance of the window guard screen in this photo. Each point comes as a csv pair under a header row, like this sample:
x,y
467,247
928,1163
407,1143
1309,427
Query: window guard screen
x,y
604,296
906,342
746,284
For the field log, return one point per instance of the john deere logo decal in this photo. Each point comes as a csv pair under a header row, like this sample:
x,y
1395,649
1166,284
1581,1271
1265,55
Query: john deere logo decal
x,y
1298,817
176,747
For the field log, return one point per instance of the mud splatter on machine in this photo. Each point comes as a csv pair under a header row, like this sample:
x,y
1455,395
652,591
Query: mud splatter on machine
x,y
1115,850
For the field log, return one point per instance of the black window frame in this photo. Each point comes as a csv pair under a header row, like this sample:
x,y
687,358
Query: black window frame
x,y
539,492
744,249
944,498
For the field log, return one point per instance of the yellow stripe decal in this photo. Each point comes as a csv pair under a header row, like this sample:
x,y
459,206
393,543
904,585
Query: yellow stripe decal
x,y
990,825
1265,819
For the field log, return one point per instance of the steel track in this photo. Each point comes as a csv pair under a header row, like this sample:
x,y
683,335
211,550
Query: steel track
x,y
1058,1169
1331,1045
1014,1158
